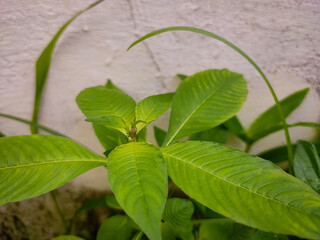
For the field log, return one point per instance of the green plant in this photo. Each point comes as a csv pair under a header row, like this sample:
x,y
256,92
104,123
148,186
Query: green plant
x,y
219,181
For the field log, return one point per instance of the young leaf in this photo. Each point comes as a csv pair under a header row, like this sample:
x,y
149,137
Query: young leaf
x,y
110,85
244,188
307,164
67,237
205,100
32,165
260,235
217,134
109,137
111,122
150,108
234,125
224,229
167,231
159,135
178,211
43,65
269,121
138,177
102,102
115,227
182,76
142,135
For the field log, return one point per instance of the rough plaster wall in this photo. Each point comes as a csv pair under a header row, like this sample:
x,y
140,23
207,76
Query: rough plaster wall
x,y
281,36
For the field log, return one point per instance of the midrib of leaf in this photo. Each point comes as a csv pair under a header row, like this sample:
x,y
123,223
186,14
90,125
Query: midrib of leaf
x,y
193,112
52,162
242,187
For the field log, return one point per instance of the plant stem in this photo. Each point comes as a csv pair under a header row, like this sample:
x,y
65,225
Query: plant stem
x,y
46,129
57,206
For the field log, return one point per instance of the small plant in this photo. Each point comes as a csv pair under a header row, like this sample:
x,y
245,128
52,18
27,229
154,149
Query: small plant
x,y
227,193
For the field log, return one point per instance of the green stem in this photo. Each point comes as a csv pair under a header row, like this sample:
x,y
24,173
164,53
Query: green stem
x,y
46,129
212,35
57,206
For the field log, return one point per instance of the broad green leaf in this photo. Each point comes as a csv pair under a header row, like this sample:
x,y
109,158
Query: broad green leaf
x,y
307,164
67,237
102,102
150,108
116,227
217,134
244,188
2,135
205,210
43,65
260,235
109,137
138,178
159,135
182,76
280,154
92,204
36,164
205,100
142,135
178,211
38,126
167,231
224,229
234,125
112,202
111,122
110,85
269,121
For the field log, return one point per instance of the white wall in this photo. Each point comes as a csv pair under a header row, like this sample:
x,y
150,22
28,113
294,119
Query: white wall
x,y
281,36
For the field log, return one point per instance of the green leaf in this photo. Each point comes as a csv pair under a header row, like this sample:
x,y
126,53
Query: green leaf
x,y
167,231
138,177
178,211
280,154
110,85
234,125
116,227
159,135
92,204
206,211
270,121
43,65
2,135
109,137
244,188
307,164
217,134
112,202
182,76
38,126
142,135
205,100
67,237
150,108
138,236
224,229
260,235
111,122
36,164
102,102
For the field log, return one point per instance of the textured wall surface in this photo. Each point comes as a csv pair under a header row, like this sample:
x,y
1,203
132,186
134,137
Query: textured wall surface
x,y
283,37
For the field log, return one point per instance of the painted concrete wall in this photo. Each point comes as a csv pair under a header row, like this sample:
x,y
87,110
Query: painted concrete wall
x,y
283,37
